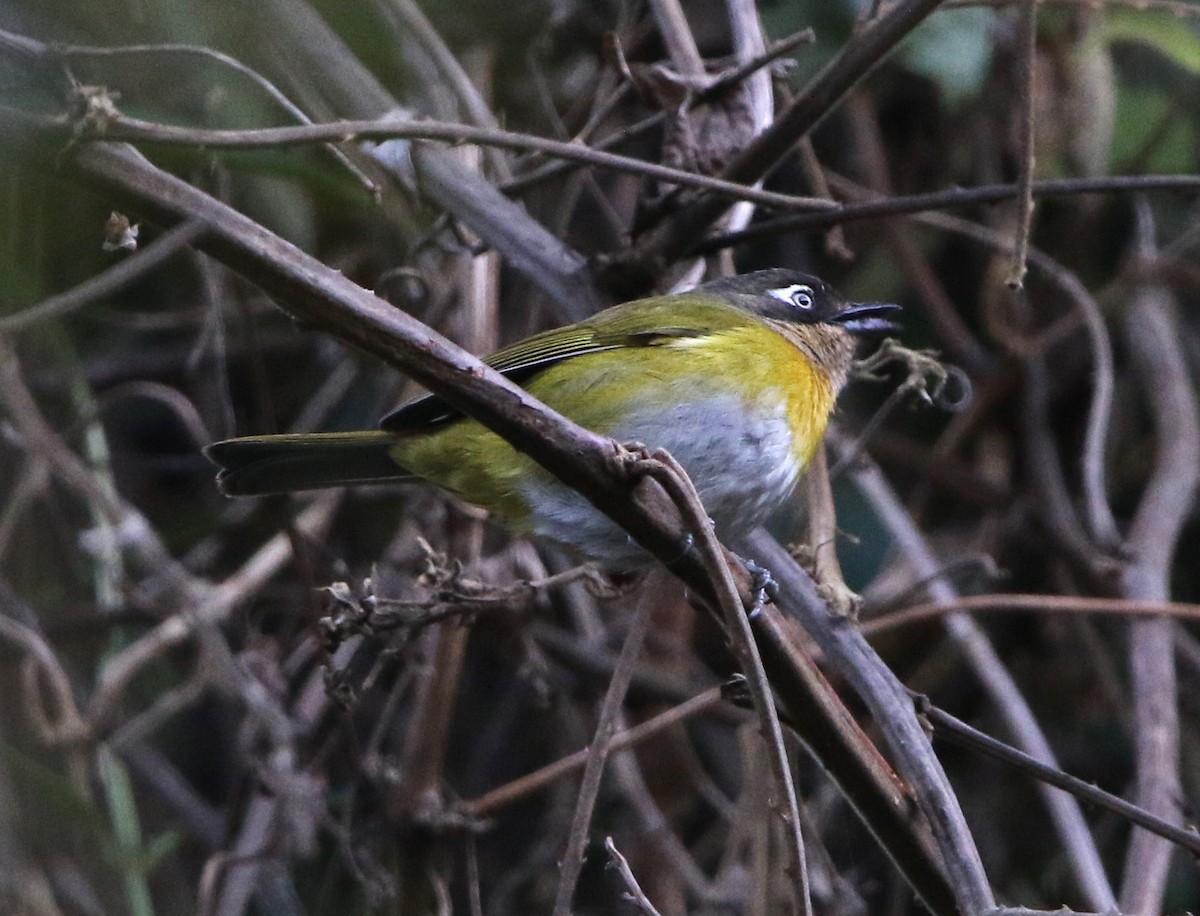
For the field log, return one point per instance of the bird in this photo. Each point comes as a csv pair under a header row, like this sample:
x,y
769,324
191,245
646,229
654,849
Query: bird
x,y
736,378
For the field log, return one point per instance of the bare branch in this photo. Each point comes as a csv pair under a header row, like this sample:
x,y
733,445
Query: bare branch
x,y
973,643
1153,337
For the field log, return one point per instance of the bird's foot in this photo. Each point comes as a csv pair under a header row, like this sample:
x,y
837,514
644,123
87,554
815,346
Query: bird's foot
x,y
763,587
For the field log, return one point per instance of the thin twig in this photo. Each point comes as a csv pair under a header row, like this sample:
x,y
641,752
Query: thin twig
x,y
135,130
456,596
1054,504
601,747
1027,39
66,725
663,843
212,606
633,890
975,646
134,531
685,227
487,804
69,52
677,36
112,280
952,729
834,213
964,887
822,540
745,68
908,255
672,475
835,236
1040,604
1103,526
166,706
413,25
716,88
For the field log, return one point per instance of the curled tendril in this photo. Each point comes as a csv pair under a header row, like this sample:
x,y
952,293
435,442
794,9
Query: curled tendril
x,y
931,380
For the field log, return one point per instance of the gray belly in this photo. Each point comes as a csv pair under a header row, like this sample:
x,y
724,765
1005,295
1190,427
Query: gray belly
x,y
741,461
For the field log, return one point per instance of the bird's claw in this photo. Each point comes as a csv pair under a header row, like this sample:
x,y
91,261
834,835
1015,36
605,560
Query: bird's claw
x,y
763,587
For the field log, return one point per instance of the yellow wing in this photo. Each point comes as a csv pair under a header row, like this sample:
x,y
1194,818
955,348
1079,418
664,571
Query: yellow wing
x,y
643,323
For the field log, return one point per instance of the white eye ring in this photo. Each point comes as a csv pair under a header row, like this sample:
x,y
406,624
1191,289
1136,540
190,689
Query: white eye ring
x,y
800,295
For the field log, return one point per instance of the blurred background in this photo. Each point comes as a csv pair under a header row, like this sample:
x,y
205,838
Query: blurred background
x,y
256,759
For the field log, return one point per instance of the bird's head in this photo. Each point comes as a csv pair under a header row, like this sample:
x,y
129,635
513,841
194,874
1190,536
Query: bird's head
x,y
799,298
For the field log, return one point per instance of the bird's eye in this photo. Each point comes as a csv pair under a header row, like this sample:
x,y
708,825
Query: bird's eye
x,y
802,297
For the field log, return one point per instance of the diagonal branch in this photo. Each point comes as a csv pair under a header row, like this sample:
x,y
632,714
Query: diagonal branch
x,y
999,684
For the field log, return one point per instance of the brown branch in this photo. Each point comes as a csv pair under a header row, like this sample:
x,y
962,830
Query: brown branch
x,y
598,752
66,725
136,533
212,605
907,254
680,232
410,25
847,753
952,729
985,663
908,204
1042,604
677,36
1027,29
715,89
1053,504
1154,337
821,548
502,796
633,890
857,59
451,595
133,130
1102,525
737,614
68,52
328,76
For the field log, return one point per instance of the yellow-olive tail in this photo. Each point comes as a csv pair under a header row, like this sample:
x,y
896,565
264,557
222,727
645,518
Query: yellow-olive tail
x,y
262,465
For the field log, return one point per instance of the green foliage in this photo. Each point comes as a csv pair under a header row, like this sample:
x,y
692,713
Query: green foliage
x,y
1176,138
1176,39
954,49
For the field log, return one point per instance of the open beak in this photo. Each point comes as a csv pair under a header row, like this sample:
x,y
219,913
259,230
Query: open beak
x,y
864,317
